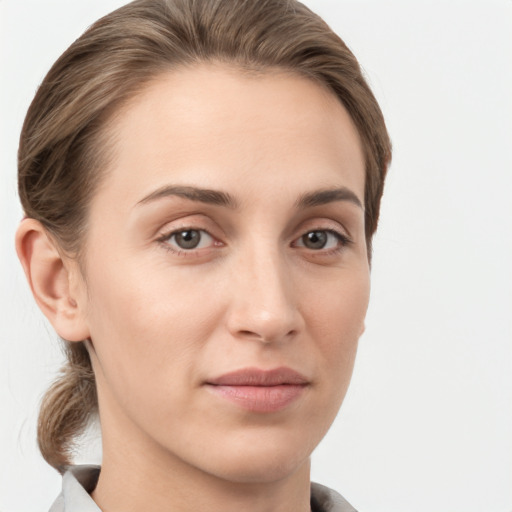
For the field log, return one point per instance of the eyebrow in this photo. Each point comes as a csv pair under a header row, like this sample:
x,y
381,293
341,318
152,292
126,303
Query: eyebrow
x,y
321,197
202,195
219,198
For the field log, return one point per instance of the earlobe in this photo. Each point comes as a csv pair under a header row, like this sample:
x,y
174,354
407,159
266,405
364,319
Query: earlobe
x,y
48,275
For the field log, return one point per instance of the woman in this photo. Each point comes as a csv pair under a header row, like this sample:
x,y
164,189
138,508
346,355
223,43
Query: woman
x,y
201,182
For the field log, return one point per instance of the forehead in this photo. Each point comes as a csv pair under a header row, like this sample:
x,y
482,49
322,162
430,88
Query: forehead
x,y
214,126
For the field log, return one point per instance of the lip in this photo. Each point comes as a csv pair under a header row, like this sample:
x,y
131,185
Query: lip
x,y
262,391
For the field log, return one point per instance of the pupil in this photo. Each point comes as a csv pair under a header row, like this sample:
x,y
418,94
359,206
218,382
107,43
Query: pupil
x,y
188,239
315,239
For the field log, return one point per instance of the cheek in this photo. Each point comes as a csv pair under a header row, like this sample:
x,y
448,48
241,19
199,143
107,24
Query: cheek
x,y
146,331
337,308
335,320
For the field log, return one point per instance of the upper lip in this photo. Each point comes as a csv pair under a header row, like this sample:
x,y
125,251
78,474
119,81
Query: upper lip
x,y
256,377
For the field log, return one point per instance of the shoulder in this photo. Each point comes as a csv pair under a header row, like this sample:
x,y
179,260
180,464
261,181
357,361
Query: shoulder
x,y
324,499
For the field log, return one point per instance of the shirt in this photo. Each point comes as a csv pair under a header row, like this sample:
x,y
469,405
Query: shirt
x,y
79,481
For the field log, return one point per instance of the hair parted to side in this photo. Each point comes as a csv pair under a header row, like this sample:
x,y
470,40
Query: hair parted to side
x,y
64,142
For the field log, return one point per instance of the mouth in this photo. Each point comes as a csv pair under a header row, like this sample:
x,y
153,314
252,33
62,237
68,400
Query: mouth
x,y
261,391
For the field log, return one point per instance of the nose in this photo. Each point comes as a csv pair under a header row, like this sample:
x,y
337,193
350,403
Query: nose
x,y
264,305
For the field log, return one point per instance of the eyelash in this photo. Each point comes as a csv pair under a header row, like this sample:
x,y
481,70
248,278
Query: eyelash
x,y
343,242
164,240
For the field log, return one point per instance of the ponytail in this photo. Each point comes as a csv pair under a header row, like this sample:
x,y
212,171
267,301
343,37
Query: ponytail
x,y
67,407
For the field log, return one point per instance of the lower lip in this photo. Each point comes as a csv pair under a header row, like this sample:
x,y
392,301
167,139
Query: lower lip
x,y
260,398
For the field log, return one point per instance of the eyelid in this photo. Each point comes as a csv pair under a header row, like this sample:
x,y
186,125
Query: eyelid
x,y
323,223
183,221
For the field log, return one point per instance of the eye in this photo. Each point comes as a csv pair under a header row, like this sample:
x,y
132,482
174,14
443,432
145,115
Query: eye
x,y
322,239
188,239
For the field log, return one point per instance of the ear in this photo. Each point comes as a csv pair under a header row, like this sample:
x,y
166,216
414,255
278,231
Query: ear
x,y
51,276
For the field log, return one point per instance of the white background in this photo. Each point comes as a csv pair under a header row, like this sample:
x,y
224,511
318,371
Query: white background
x,y
427,424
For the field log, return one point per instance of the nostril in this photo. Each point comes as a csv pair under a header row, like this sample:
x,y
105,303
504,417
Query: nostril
x,y
250,334
266,338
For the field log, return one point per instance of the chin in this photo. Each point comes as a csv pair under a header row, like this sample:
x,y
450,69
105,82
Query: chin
x,y
251,470
262,460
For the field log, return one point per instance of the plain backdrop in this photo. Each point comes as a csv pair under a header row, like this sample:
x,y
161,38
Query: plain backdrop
x,y
427,423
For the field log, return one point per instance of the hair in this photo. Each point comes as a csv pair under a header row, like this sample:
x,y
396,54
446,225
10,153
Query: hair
x,y
62,148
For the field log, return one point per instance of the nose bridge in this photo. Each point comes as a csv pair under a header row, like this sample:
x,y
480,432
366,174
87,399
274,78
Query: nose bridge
x,y
263,301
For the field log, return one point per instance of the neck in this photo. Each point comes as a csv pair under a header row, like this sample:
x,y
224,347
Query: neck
x,y
141,481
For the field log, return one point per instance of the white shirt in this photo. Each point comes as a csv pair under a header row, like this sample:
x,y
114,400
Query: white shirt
x,y
79,481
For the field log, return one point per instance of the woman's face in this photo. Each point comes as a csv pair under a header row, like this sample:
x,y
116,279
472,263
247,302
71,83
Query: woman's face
x,y
226,276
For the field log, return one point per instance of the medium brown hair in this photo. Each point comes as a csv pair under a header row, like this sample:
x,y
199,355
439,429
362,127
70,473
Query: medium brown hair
x,y
62,150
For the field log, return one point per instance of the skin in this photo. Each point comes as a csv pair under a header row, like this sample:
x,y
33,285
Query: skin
x,y
163,320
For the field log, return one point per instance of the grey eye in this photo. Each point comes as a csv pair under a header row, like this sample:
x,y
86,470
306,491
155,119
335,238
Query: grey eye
x,y
187,239
315,239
